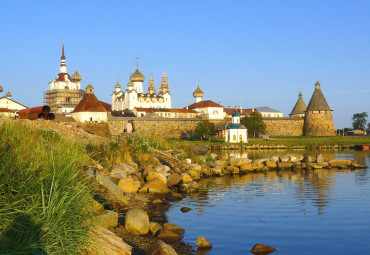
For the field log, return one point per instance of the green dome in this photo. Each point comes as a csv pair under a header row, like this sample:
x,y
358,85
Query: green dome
x,y
236,114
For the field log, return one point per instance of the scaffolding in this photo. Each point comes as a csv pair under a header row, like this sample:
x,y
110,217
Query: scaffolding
x,y
56,99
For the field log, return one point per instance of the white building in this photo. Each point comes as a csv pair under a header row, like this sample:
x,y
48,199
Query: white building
x,y
64,91
90,108
207,109
9,105
134,95
268,112
236,132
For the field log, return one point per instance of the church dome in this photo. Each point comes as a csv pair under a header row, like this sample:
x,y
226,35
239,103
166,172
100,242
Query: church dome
x,y
137,76
198,93
130,83
236,114
76,76
118,86
1,89
8,94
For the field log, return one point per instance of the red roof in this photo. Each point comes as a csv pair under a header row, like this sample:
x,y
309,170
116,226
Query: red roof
x,y
62,77
89,103
243,112
202,104
107,107
5,110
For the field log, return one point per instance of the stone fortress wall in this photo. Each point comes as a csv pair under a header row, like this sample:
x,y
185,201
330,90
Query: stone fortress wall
x,y
181,128
319,123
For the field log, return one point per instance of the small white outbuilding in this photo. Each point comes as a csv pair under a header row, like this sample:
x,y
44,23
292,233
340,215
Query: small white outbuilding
x,y
236,132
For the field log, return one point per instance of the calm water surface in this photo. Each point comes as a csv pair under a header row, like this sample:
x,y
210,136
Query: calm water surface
x,y
304,212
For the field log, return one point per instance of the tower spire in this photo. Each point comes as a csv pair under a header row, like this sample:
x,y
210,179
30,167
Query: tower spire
x,y
137,63
63,66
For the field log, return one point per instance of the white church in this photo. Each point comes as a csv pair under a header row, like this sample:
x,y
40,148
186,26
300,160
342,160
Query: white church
x,y
236,132
134,95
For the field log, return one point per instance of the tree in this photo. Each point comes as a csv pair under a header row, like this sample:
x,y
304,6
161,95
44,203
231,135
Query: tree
x,y
368,125
205,129
359,121
254,124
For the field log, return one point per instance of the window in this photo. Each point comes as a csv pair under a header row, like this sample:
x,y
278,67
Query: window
x,y
240,138
234,137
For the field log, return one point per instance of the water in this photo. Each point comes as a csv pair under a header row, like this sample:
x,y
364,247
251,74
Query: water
x,y
304,212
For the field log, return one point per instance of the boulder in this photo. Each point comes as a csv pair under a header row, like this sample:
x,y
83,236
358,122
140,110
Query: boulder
x,y
308,159
202,159
260,248
161,248
293,158
162,169
195,167
274,158
185,209
189,187
319,158
285,165
106,242
99,208
340,163
257,165
152,175
231,170
173,180
155,186
284,158
271,164
220,163
174,228
206,171
246,167
111,187
128,185
109,219
195,175
203,243
231,161
129,169
241,161
154,227
198,149
186,178
166,234
118,171
216,170
137,221
213,155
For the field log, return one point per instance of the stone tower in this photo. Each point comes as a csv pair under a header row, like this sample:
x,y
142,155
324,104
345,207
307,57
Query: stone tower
x,y
299,108
318,119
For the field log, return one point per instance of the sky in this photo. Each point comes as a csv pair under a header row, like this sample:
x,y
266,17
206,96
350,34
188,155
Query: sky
x,y
249,53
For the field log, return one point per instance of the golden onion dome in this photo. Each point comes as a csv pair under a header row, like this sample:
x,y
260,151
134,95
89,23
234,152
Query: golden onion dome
x,y
118,86
76,76
137,76
1,89
8,94
130,84
198,93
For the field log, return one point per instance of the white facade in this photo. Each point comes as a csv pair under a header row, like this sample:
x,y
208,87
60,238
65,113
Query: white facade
x,y
90,116
6,102
268,112
213,113
134,95
236,132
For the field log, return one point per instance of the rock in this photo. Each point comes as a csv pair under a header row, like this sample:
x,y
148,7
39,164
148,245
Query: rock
x,y
216,170
167,234
231,161
155,186
271,164
189,187
284,165
257,165
90,172
157,201
220,163
319,158
198,149
152,175
185,209
113,188
195,175
99,208
106,242
137,221
262,160
203,243
308,159
284,158
213,155
260,248
173,180
186,178
241,161
127,185
195,167
162,169
231,170
140,198
129,169
202,159
175,195
340,163
206,171
293,158
274,158
174,228
246,167
154,227
161,248
188,160
109,219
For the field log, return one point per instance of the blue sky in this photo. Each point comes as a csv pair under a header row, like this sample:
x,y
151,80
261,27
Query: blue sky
x,y
248,53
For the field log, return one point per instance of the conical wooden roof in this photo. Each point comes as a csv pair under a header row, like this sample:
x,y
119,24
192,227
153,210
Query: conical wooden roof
x,y
300,106
89,103
318,101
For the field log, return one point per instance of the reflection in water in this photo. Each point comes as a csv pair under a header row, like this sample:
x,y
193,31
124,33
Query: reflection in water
x,y
317,211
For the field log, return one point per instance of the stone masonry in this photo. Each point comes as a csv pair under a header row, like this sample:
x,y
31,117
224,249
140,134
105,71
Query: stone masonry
x,y
319,123
284,126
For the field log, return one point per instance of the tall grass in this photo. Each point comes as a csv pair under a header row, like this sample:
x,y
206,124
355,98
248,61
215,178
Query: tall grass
x,y
45,204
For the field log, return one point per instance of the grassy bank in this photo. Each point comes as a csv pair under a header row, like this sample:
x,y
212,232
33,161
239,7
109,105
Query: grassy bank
x,y
45,203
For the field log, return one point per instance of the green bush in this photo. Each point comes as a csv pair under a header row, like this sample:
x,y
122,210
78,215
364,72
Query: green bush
x,y
45,205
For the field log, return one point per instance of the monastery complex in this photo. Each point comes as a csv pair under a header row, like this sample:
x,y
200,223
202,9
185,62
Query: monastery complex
x,y
150,108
